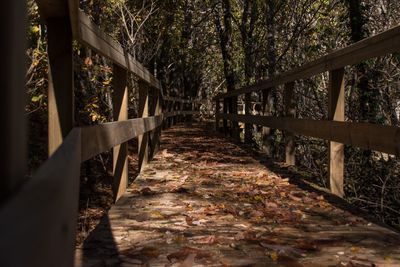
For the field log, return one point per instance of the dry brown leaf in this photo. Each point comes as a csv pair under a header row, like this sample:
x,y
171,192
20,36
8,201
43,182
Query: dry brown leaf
x,y
189,261
185,251
165,154
238,262
205,240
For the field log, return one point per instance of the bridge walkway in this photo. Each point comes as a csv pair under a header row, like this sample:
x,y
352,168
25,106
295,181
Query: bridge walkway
x,y
205,201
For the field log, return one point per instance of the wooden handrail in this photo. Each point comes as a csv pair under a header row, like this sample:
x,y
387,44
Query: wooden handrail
x,y
39,221
89,34
363,135
378,45
101,138
38,218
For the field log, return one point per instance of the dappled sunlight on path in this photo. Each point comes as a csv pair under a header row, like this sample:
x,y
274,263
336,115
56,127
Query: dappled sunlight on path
x,y
205,202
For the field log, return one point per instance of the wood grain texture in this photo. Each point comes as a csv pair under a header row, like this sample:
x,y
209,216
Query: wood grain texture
x,y
143,112
61,81
289,136
120,113
73,8
336,107
155,135
100,138
37,225
378,45
363,135
248,128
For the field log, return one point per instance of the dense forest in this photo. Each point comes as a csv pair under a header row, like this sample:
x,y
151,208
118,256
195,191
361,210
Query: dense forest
x,y
198,49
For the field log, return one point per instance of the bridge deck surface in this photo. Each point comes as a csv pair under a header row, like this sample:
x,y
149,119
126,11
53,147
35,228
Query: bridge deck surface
x,y
205,201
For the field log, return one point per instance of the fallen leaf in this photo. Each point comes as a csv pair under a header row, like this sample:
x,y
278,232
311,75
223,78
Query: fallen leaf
x,y
185,251
88,61
150,252
274,255
238,262
272,205
307,246
189,262
189,220
205,240
355,249
284,250
165,154
295,198
147,191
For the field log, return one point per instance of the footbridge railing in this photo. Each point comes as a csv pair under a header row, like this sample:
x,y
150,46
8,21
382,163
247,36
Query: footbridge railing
x,y
334,128
38,217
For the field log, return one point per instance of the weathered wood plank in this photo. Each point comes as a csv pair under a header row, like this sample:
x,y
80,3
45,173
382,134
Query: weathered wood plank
x,y
73,7
37,225
336,106
100,138
364,135
143,112
217,112
155,135
248,135
120,113
61,81
12,106
289,136
378,45
93,37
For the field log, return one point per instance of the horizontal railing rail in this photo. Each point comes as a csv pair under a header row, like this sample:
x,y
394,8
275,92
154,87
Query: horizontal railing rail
x,y
363,135
89,34
39,218
334,129
375,46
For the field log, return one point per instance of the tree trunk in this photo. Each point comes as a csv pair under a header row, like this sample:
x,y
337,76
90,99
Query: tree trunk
x,y
225,36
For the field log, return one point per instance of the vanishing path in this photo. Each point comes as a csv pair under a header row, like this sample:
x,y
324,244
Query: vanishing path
x,y
206,202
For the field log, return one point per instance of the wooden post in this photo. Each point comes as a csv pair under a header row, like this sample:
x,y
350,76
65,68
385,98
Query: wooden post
x,y
181,108
290,112
336,102
61,80
233,109
12,106
247,111
155,134
225,110
267,131
120,113
143,140
170,108
217,111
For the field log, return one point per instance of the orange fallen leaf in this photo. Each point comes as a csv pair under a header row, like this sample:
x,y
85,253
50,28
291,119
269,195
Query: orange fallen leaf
x,y
185,251
189,261
206,240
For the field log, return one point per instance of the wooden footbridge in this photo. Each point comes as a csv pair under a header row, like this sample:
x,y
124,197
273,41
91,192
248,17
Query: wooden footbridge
x,y
203,200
